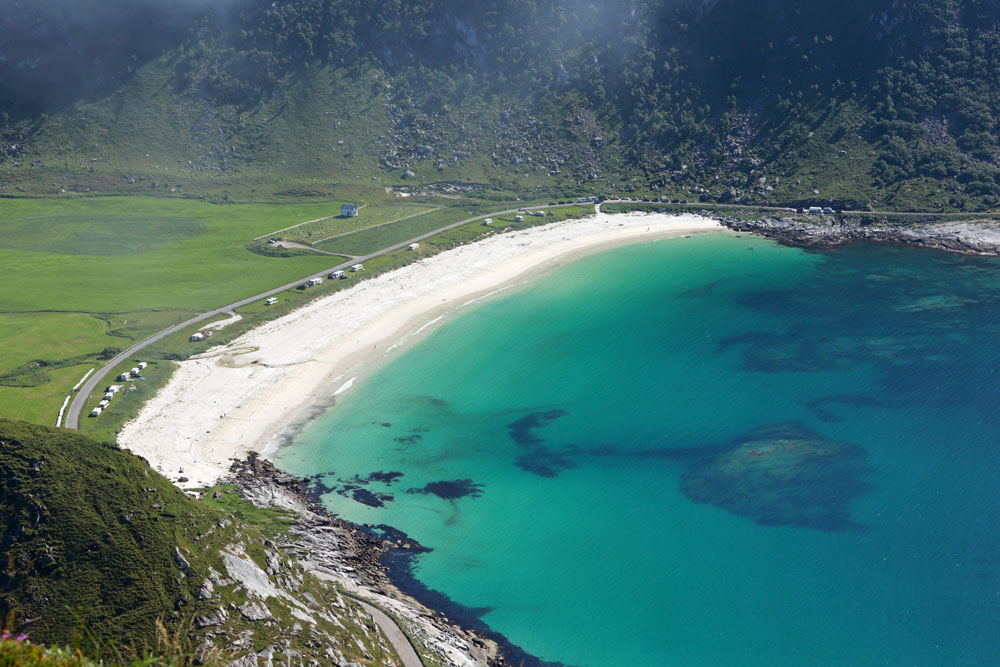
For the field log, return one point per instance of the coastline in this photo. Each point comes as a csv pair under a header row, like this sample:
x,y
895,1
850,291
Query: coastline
x,y
253,394
373,564
961,237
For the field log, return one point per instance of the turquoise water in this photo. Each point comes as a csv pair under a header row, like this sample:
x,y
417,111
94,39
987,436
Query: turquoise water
x,y
690,453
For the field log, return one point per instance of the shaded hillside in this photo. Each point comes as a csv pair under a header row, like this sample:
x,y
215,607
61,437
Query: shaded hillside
x,y
99,548
890,103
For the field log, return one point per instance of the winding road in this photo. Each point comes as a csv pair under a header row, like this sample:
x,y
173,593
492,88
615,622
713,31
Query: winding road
x,y
394,634
76,406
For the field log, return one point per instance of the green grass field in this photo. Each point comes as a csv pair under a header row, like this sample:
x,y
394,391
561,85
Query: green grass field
x,y
324,229
65,255
85,274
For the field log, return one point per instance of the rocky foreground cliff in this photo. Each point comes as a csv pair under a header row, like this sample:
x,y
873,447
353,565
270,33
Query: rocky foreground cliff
x,y
351,557
103,553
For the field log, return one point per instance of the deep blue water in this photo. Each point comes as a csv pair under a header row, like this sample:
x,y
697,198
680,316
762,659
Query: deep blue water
x,y
690,453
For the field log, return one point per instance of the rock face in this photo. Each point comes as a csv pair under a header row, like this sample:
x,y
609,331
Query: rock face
x,y
217,617
255,611
180,560
339,551
967,237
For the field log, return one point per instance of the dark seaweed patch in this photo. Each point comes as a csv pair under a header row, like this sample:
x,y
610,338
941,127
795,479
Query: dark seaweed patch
x,y
366,497
354,488
384,477
543,462
537,458
522,431
451,490
409,439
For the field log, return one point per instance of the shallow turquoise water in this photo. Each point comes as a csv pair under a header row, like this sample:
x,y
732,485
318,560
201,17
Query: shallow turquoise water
x,y
689,453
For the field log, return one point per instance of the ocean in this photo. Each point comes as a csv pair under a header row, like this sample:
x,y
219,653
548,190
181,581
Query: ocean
x,y
691,452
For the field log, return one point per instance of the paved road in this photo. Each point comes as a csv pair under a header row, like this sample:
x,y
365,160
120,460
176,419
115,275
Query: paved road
x,y
394,634
78,403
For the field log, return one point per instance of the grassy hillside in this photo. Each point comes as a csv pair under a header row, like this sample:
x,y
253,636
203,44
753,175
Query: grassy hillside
x,y
858,103
99,548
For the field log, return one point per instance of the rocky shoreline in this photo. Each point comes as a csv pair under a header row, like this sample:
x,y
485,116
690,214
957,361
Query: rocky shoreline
x,y
354,557
971,237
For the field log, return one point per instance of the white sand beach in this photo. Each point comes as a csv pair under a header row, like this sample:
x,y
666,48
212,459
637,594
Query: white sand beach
x,y
254,393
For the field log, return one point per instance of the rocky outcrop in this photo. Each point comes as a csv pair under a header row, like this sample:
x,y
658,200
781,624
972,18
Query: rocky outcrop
x,y
970,237
181,561
217,617
207,590
254,610
350,556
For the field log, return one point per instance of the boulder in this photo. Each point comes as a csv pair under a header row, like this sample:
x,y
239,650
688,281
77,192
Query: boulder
x,y
253,610
180,560
217,617
207,590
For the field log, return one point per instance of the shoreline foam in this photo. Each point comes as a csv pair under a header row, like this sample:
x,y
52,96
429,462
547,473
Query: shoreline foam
x,y
255,393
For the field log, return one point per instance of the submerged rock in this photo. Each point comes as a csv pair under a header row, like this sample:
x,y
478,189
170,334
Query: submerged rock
x,y
785,475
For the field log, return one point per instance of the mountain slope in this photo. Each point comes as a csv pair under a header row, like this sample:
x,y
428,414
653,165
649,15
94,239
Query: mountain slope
x,y
100,549
891,103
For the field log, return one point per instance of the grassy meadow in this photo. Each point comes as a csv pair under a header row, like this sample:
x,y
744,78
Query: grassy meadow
x,y
316,232
86,275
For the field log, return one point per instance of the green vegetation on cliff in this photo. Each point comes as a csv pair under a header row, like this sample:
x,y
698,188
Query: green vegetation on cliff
x,y
99,550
